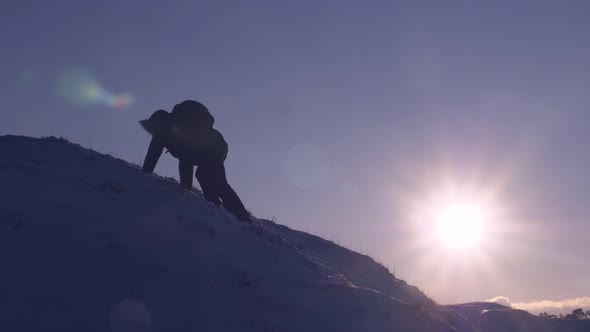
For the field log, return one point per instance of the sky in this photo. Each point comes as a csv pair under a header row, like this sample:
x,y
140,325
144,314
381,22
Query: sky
x,y
352,120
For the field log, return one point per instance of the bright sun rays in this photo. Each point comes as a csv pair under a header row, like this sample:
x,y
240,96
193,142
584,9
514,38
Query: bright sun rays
x,y
455,234
459,225
454,218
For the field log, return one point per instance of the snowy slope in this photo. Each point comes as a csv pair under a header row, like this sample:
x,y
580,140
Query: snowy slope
x,y
90,243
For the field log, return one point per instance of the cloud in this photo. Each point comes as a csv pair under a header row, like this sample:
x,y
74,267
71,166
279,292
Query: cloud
x,y
503,300
550,306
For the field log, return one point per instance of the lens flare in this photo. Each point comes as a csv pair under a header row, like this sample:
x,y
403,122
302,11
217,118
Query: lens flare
x,y
307,167
28,76
80,88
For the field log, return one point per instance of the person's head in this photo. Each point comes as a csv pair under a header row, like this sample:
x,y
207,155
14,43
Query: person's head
x,y
158,123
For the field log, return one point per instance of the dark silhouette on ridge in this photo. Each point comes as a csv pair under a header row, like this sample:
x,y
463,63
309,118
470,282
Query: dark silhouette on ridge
x,y
188,135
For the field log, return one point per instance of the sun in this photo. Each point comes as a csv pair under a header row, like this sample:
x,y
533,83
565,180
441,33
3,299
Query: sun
x,y
459,225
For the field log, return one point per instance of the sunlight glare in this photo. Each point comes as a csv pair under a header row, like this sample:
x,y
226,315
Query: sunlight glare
x,y
459,225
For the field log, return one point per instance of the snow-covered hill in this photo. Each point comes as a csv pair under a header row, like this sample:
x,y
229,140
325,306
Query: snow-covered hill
x,y
90,243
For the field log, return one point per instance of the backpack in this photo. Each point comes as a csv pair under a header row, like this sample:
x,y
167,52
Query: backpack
x,y
191,114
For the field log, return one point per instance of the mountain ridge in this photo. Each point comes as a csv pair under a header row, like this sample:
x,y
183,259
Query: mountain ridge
x,y
92,243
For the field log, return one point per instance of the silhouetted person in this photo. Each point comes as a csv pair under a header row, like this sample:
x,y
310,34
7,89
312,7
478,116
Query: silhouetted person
x,y
187,133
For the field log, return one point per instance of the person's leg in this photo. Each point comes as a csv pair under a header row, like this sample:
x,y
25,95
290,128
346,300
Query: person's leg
x,y
215,172
207,186
233,203
185,170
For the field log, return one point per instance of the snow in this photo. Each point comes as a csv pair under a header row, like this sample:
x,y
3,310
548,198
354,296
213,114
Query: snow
x,y
90,243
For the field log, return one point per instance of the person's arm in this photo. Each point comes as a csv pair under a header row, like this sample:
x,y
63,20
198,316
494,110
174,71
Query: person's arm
x,y
220,144
153,155
225,150
185,170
